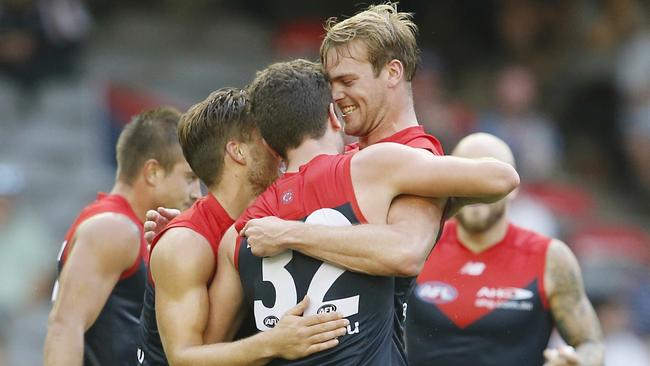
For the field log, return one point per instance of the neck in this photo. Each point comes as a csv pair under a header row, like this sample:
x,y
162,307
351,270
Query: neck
x,y
138,199
478,242
400,115
233,192
308,150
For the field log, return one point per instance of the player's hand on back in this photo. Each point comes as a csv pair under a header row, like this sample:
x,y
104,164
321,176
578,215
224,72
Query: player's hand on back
x,y
561,356
157,220
298,336
267,235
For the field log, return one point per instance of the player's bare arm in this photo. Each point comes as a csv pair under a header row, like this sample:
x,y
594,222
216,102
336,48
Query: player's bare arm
x,y
182,266
104,246
572,312
396,249
293,337
400,248
388,170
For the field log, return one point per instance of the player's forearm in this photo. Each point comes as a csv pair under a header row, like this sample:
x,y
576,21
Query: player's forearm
x,y
63,345
379,250
484,180
591,353
253,351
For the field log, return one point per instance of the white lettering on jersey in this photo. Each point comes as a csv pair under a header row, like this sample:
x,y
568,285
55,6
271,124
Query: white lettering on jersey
x,y
506,298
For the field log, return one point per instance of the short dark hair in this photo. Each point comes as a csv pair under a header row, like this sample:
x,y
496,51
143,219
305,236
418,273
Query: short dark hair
x,y
150,135
289,102
207,126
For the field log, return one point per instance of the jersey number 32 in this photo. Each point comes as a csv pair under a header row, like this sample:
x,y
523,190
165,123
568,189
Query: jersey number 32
x,y
286,297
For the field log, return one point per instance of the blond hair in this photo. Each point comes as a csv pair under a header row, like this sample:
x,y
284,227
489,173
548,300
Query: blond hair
x,y
386,33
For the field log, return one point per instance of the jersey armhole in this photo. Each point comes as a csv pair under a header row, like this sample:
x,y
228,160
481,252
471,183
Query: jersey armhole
x,y
236,254
348,189
542,277
138,260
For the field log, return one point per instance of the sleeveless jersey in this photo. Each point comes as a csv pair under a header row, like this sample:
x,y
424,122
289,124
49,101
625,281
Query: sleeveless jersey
x,y
111,339
414,137
487,309
321,193
206,217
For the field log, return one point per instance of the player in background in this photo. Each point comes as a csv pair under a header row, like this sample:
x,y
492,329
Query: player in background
x,y
224,148
98,295
491,292
289,103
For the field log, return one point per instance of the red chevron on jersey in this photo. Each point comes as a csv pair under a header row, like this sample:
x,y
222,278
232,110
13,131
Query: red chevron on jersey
x,y
466,286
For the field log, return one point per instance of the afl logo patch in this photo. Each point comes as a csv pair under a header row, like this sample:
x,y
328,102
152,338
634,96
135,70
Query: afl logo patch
x,y
271,321
287,197
436,292
327,308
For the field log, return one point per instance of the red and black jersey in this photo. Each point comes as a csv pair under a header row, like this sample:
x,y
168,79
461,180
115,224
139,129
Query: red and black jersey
x,y
414,137
206,217
111,340
487,308
321,193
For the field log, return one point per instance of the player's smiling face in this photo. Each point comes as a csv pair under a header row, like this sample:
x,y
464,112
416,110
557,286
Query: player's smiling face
x,y
358,92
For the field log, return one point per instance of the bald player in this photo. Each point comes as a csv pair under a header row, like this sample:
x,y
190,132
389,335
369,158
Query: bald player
x,y
491,292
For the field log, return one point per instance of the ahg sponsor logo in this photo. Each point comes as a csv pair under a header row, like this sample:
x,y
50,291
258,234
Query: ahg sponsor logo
x,y
504,293
436,292
505,298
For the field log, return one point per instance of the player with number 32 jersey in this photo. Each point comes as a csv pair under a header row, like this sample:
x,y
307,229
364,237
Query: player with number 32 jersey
x,y
273,285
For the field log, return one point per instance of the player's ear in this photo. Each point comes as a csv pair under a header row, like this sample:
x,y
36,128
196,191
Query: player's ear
x,y
395,72
152,171
333,118
234,149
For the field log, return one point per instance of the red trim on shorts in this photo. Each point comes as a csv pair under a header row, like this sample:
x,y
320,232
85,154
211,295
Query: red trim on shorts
x,y
348,188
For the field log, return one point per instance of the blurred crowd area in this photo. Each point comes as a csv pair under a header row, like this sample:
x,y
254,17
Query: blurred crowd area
x,y
565,82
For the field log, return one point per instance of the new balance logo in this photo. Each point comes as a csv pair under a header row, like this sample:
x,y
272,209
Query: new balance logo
x,y
473,268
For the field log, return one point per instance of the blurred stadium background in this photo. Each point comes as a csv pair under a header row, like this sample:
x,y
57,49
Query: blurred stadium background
x,y
565,82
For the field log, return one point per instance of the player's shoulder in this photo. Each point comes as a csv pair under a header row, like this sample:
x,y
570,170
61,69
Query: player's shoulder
x,y
560,253
180,245
562,270
181,234
114,225
529,239
109,235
